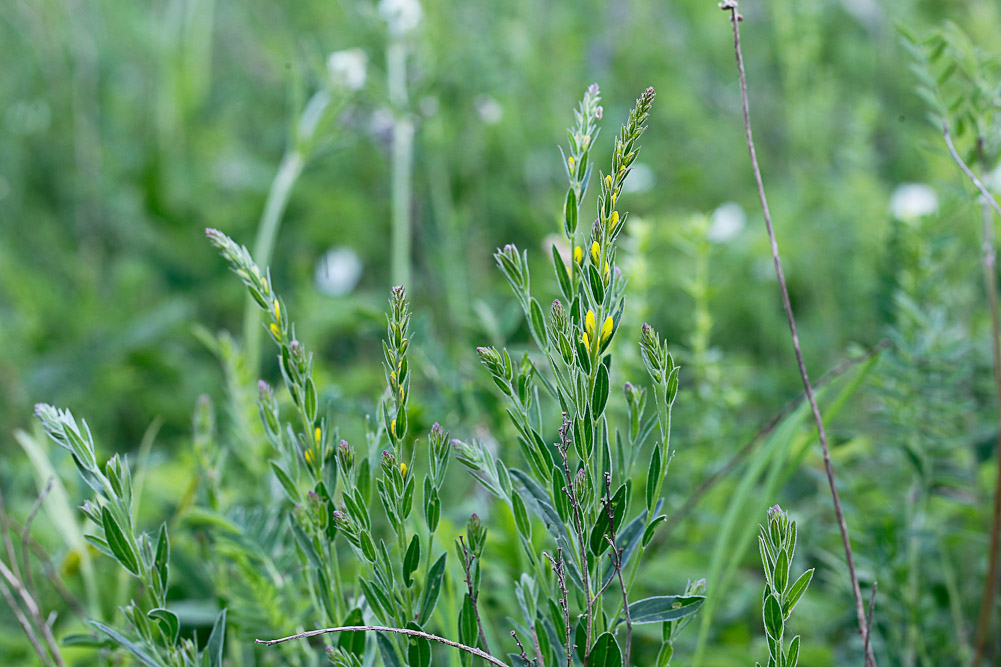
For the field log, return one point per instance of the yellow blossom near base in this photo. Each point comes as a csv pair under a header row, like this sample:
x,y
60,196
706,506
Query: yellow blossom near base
x,y
606,328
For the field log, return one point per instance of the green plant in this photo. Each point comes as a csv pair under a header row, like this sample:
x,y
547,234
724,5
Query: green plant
x,y
777,542
153,635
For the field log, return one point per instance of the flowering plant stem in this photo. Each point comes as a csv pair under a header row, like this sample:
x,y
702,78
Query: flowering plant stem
x,y
735,18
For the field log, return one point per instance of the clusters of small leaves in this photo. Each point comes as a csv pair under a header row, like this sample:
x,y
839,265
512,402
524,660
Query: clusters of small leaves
x,y
153,637
959,82
777,542
569,485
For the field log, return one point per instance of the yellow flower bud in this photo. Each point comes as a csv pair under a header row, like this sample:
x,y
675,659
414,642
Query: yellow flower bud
x,y
403,469
401,392
615,195
595,251
318,435
278,311
571,162
589,323
606,329
615,218
392,375
587,141
608,181
578,255
308,455
586,340
392,427
275,331
608,271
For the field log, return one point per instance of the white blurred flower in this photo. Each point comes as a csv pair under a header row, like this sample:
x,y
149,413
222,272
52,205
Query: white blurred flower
x,y
641,179
911,201
347,68
727,222
338,271
403,16
489,109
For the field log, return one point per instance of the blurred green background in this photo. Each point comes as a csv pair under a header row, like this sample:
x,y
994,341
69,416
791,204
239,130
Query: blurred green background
x,y
126,128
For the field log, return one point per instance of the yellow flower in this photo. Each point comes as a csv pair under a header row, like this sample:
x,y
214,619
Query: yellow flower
x,y
401,393
318,435
615,195
608,271
608,181
403,469
570,161
278,312
309,456
392,375
275,331
615,218
587,341
578,255
595,251
606,329
392,428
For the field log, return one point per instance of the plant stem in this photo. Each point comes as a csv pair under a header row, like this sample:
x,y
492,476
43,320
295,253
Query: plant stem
x,y
990,278
264,245
402,161
735,18
378,628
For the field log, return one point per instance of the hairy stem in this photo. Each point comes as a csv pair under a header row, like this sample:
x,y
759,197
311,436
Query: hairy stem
x,y
379,628
735,18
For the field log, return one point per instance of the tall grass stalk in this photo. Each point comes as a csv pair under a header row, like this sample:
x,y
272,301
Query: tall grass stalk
x,y
735,18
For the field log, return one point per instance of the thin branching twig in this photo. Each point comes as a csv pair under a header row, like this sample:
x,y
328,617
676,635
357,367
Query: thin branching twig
x,y
474,595
617,564
868,622
989,260
379,628
735,18
563,447
561,579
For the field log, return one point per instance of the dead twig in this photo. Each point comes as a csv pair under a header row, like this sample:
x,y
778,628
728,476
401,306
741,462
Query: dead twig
x,y
735,18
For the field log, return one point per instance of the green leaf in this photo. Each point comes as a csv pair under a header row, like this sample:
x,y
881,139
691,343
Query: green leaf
x,y
781,572
792,657
538,322
597,542
217,638
570,213
521,517
648,533
432,588
291,490
140,654
467,622
167,620
797,589
353,642
386,650
772,614
664,608
432,506
600,395
411,561
665,654
653,477
418,648
605,652
120,546
161,560
562,274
